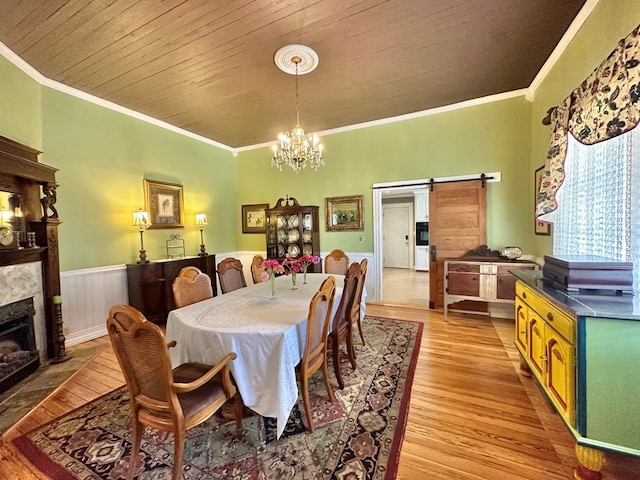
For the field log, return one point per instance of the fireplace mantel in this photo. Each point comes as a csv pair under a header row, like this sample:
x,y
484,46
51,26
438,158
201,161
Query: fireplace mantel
x,y
21,173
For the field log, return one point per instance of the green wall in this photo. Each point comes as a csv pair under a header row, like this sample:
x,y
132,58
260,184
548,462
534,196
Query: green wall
x,y
484,138
103,157
20,117
610,21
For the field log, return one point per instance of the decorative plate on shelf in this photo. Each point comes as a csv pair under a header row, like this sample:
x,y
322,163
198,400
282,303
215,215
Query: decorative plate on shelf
x,y
294,235
293,221
307,250
306,236
282,221
281,251
293,251
282,236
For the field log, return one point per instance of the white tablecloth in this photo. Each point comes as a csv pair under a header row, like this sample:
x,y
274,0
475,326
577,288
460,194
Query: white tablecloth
x,y
268,335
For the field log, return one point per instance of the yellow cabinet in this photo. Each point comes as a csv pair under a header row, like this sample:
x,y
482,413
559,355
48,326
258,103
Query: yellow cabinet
x,y
545,338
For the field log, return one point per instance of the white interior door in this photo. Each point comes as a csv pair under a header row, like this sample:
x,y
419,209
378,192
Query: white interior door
x,y
396,228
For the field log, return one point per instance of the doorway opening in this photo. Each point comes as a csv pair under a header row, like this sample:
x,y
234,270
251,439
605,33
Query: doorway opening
x,y
407,189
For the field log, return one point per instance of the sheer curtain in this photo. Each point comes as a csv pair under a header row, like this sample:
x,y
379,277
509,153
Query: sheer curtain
x,y
599,201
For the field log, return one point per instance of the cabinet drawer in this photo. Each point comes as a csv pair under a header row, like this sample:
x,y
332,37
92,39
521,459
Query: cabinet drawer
x,y
463,267
554,317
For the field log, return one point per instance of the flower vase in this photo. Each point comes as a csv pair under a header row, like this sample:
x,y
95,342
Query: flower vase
x,y
293,281
272,280
304,276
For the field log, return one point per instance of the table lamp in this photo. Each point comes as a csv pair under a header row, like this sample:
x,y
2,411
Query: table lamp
x,y
201,221
141,220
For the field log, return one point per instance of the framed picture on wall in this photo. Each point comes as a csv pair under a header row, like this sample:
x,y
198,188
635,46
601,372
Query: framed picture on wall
x,y
540,228
344,213
165,204
253,218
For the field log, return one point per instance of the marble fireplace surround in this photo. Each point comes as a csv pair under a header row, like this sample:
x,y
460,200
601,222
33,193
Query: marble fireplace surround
x,y
21,281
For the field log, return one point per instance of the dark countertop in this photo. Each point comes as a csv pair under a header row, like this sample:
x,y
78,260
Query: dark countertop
x,y
626,307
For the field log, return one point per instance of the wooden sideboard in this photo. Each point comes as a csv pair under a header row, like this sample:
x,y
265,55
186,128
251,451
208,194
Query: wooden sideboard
x,y
150,284
488,281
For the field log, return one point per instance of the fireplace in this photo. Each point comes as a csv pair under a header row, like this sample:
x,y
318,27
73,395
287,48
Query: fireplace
x,y
19,356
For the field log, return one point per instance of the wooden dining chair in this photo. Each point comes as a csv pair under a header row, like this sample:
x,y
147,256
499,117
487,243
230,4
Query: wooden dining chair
x,y
342,329
231,275
258,269
315,350
337,262
191,286
356,311
172,400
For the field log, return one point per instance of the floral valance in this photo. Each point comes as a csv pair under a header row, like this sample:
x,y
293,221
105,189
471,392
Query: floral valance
x,y
604,106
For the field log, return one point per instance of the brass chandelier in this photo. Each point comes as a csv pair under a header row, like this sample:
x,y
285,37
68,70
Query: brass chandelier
x,y
297,149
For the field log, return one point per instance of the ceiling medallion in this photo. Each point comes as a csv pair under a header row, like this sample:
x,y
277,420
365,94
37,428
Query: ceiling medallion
x,y
297,149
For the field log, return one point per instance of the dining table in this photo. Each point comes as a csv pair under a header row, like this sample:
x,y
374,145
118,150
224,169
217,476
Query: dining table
x,y
267,333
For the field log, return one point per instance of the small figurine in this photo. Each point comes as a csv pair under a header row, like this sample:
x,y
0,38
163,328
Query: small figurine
x,y
49,201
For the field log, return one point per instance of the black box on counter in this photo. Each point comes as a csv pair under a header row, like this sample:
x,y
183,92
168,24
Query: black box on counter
x,y
588,274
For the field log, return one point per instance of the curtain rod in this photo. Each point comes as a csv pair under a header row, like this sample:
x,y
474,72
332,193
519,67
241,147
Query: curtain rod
x,y
432,182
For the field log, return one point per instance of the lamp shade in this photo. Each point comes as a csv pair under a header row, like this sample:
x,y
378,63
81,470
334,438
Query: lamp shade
x,y
141,219
201,219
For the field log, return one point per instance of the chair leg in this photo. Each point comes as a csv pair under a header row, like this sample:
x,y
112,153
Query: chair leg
x,y
360,330
335,353
306,402
135,447
178,453
351,351
325,377
238,408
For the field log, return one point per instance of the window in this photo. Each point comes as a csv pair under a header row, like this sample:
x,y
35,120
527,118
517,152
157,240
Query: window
x,y
599,201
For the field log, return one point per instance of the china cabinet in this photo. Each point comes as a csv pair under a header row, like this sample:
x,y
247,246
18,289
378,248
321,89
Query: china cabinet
x,y
292,231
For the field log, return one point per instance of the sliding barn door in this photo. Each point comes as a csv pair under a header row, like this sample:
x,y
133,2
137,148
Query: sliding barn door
x,y
457,224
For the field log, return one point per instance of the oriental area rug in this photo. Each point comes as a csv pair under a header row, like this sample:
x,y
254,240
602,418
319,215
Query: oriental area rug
x,y
357,437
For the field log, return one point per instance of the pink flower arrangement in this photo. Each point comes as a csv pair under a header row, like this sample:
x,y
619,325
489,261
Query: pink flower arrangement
x,y
272,267
307,260
292,265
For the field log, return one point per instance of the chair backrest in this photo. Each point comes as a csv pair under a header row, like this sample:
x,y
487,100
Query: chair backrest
x,y
258,269
191,286
342,317
231,275
355,307
337,262
318,321
143,355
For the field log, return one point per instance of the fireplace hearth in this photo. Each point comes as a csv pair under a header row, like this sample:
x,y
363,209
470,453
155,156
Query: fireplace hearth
x,y
19,356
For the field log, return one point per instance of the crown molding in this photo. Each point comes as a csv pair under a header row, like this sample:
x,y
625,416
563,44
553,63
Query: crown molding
x,y
564,42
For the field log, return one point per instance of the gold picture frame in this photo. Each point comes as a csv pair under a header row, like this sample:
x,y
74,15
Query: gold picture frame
x,y
254,218
344,213
165,204
540,228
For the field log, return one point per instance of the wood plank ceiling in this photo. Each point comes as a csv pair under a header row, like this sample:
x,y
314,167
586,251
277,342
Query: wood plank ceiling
x,y
207,66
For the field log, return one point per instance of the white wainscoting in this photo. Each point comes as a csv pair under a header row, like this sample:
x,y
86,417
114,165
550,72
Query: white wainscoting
x,y
87,296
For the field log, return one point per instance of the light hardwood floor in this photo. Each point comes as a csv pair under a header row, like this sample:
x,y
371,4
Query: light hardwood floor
x,y
472,414
405,286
